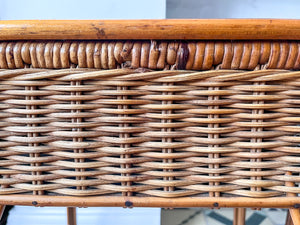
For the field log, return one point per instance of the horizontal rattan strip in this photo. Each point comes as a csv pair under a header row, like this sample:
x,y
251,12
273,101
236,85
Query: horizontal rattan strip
x,y
157,55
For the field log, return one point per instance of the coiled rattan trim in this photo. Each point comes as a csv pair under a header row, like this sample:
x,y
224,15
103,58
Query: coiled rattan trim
x,y
157,55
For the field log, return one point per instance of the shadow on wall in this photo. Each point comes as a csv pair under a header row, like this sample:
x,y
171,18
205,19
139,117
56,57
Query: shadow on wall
x,y
288,9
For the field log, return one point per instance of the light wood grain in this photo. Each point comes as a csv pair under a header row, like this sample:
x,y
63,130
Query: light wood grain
x,y
237,29
295,215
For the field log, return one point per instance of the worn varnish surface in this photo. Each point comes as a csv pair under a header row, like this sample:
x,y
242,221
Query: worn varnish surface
x,y
158,202
204,29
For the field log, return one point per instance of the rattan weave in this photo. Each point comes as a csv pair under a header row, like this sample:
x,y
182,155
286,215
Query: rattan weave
x,y
172,133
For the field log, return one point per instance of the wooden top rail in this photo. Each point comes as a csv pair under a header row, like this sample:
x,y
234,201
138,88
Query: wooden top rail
x,y
180,29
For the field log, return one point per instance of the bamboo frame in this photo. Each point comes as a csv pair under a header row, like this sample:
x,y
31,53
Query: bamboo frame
x,y
71,216
239,216
2,208
294,213
288,220
221,29
124,201
116,30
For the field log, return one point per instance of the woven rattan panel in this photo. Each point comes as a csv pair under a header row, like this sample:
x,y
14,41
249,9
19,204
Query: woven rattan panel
x,y
85,132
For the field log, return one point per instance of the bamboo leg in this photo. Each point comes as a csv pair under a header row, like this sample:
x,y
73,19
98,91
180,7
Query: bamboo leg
x,y
288,219
235,216
295,215
71,215
2,208
239,216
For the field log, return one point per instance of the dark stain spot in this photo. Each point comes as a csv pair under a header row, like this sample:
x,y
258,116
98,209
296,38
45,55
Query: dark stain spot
x,y
297,206
216,204
34,203
11,54
183,55
100,32
165,27
128,204
259,26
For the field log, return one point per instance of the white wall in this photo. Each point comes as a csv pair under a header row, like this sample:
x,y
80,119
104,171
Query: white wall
x,y
82,9
25,215
233,9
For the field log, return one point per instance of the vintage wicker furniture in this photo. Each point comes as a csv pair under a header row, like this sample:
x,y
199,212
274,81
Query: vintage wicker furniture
x,y
163,113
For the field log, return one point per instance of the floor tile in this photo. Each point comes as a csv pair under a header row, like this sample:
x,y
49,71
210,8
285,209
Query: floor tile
x,y
220,217
276,216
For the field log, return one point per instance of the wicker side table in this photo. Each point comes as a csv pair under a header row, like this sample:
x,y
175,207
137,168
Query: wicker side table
x,y
160,113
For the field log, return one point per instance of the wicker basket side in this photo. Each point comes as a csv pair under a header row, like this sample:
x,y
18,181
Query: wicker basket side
x,y
168,134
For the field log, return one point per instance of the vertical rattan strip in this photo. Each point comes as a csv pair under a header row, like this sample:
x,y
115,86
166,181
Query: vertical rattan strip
x,y
166,138
32,135
213,136
75,120
257,113
124,136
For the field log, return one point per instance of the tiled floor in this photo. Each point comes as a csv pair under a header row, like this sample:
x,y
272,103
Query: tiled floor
x,y
191,216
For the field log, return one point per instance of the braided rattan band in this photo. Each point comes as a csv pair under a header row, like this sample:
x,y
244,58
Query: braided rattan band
x,y
82,132
190,55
